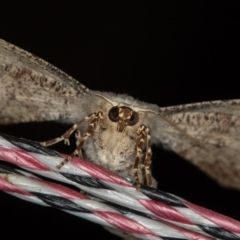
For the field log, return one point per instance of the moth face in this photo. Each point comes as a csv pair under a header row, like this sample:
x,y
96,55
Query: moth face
x,y
123,116
114,142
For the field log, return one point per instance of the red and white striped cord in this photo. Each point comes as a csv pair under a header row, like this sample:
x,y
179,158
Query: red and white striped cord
x,y
172,214
31,188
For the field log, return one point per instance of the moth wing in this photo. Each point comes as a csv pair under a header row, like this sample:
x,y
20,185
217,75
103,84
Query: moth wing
x,y
207,134
34,90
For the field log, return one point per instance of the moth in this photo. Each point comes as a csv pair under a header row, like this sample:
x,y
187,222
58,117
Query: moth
x,y
116,130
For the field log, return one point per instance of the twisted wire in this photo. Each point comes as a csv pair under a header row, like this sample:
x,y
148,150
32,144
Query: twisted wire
x,y
181,216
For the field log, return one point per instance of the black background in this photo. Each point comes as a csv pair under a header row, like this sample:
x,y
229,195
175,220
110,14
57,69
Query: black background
x,y
163,52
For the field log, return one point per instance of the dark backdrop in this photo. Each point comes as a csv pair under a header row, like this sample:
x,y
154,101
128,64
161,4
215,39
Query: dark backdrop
x,y
164,52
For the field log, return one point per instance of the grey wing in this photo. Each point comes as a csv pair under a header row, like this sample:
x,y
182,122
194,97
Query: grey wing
x,y
34,90
206,134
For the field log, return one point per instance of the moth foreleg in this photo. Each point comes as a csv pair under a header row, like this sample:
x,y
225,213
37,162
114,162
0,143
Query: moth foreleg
x,y
139,148
148,158
97,118
144,139
78,137
68,133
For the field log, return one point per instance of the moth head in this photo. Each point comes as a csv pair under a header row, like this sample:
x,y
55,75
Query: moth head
x,y
123,116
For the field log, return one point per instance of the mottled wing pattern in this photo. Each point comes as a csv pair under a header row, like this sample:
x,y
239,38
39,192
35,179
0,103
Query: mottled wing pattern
x,y
208,135
34,90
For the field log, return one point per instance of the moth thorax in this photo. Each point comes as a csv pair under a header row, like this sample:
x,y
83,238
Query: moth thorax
x,y
123,116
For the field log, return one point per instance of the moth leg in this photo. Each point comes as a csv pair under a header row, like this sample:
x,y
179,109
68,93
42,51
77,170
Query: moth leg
x,y
140,145
97,118
148,157
68,133
78,137
144,137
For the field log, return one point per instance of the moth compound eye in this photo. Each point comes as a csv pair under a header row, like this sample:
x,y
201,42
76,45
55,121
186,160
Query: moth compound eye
x,y
113,114
134,119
